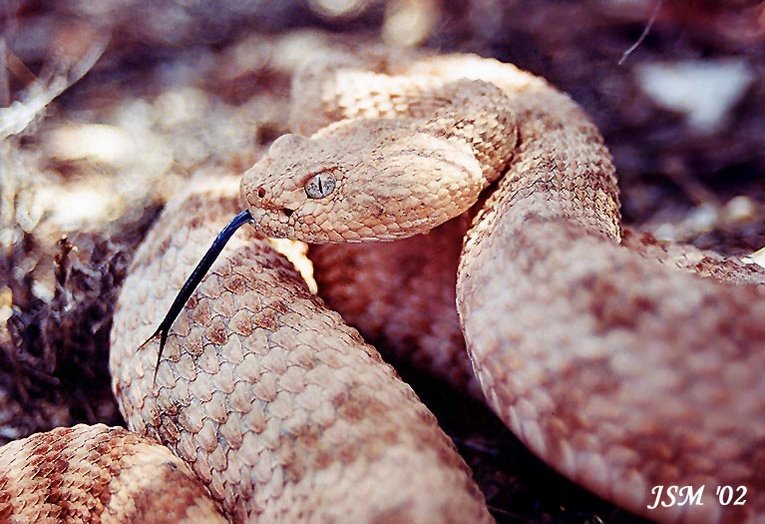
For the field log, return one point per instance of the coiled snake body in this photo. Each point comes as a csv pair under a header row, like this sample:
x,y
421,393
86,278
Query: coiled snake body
x,y
622,372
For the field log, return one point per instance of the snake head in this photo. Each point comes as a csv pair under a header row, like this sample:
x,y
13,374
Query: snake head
x,y
360,180
291,187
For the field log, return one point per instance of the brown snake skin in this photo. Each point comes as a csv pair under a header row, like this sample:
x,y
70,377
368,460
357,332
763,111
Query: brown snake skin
x,y
277,405
621,372
98,474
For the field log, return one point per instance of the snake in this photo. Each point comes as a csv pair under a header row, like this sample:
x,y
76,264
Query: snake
x,y
624,362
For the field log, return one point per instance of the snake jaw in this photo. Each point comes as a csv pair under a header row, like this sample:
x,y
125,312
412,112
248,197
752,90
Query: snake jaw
x,y
273,223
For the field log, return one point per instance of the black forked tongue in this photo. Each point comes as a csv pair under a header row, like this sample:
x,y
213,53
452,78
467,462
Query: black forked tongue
x,y
193,281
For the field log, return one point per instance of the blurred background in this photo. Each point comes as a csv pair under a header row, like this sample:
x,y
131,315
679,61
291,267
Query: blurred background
x,y
106,106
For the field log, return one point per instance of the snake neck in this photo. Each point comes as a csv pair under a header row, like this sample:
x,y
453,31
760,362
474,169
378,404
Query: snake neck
x,y
561,170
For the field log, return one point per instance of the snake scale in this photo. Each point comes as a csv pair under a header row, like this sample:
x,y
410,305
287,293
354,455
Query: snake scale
x,y
623,362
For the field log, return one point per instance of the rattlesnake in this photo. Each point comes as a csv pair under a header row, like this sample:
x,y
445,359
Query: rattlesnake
x,y
622,372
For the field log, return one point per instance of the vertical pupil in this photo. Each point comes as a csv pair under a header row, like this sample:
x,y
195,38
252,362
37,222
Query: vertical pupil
x,y
320,185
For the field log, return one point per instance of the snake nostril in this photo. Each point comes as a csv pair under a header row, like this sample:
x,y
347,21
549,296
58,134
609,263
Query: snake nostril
x,y
261,192
288,212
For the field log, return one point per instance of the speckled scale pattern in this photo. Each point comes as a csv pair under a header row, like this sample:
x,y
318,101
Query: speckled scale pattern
x,y
278,406
419,326
615,364
98,474
622,371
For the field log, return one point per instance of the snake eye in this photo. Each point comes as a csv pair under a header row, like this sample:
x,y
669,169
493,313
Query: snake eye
x,y
320,185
